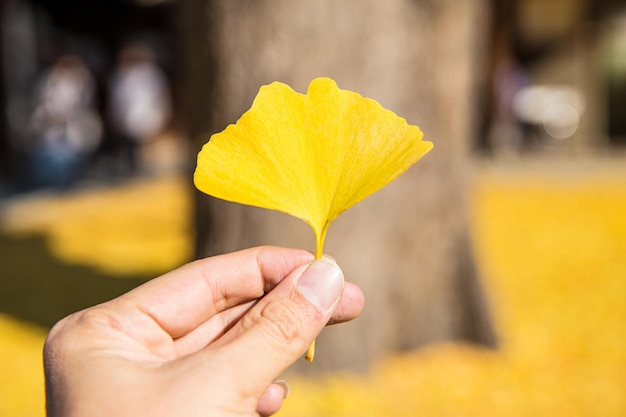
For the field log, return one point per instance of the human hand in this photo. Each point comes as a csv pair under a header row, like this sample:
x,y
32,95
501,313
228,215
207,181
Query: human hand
x,y
206,339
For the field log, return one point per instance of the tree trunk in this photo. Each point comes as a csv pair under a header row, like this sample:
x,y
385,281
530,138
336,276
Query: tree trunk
x,y
406,245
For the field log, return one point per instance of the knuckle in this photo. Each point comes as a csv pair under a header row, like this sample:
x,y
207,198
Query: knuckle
x,y
278,320
54,338
64,334
96,317
58,341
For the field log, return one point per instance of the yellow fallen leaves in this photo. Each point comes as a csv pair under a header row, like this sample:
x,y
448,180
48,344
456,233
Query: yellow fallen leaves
x,y
21,367
312,156
139,228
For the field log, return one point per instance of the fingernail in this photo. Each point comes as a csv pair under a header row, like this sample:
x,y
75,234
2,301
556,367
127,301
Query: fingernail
x,y
321,283
285,387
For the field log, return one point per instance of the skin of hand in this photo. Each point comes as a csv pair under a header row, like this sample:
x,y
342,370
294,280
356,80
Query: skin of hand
x,y
208,338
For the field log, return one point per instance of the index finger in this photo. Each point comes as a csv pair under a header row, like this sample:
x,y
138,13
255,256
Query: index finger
x,y
183,299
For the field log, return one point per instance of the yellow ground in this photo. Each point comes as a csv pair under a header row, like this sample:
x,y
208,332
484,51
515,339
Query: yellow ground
x,y
141,227
552,250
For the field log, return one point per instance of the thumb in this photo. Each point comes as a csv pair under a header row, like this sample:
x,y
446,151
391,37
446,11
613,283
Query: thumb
x,y
280,327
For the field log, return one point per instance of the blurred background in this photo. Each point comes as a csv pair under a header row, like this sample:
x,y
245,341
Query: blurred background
x,y
494,270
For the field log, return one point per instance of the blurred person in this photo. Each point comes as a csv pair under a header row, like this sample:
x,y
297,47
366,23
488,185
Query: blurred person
x,y
139,105
206,339
65,126
508,133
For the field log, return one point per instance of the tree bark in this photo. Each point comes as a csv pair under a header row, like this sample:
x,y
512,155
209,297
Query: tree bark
x,y
406,246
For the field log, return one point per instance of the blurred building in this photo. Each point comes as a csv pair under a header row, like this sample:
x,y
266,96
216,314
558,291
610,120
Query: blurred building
x,y
558,76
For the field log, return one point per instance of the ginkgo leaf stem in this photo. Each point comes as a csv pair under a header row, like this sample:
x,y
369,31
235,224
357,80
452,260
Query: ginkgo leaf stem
x,y
319,241
319,252
310,352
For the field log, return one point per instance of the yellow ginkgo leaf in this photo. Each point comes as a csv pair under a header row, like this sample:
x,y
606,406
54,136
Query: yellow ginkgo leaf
x,y
311,156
